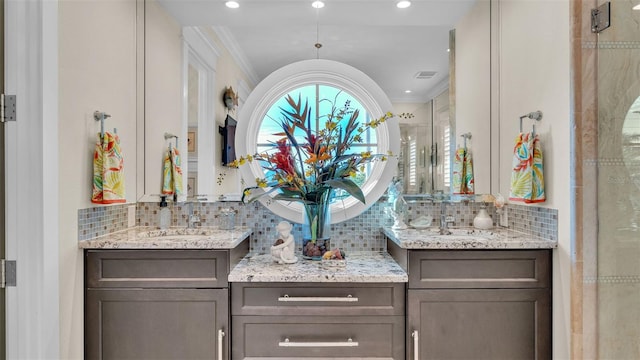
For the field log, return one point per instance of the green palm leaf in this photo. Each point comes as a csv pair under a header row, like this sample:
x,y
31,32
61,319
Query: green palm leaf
x,y
348,186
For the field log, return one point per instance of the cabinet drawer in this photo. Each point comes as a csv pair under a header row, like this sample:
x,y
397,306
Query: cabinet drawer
x,y
316,299
479,269
156,268
297,337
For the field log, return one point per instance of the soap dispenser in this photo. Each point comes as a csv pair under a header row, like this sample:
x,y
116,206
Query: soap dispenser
x,y
164,216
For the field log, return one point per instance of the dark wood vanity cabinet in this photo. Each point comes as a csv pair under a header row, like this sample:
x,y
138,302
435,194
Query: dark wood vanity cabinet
x,y
319,320
157,304
478,304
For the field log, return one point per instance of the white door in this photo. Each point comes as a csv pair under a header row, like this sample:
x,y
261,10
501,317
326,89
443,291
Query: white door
x,y
31,179
3,343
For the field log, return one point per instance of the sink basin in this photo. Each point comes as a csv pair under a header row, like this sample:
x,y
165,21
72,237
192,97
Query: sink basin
x,y
461,233
472,232
177,233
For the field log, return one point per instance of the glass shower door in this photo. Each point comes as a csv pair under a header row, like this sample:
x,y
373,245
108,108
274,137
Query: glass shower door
x,y
618,250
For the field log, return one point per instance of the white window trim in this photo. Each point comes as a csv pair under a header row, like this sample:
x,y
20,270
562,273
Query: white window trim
x,y
331,73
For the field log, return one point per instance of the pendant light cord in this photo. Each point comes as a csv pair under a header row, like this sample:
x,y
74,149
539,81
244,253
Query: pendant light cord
x,y
318,45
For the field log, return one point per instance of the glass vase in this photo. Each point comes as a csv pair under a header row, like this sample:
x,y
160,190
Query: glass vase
x,y
316,230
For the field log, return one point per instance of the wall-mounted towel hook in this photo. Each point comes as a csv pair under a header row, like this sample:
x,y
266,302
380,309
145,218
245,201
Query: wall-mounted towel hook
x,y
534,115
168,136
100,116
466,136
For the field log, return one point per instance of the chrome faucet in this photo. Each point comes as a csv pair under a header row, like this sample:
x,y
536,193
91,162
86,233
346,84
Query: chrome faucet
x,y
445,219
193,219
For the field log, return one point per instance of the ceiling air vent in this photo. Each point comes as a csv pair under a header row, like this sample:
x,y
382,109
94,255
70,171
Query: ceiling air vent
x,y
425,74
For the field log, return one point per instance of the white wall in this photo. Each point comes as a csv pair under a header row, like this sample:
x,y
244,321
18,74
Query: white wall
x,y
535,75
228,73
473,81
97,71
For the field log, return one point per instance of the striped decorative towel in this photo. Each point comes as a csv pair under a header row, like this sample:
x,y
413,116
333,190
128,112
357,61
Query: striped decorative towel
x,y
108,171
527,175
172,173
463,181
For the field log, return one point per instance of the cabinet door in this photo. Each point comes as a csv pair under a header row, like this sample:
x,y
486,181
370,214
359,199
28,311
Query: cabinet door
x,y
479,324
156,323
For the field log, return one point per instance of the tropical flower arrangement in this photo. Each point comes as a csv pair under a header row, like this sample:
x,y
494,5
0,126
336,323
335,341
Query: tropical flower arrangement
x,y
306,165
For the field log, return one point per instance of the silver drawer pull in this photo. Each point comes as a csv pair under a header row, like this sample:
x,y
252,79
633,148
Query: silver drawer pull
x,y
288,343
287,298
416,345
220,340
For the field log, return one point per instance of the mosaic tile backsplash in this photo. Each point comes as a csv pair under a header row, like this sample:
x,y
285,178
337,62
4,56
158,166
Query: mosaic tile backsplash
x,y
359,234
102,220
537,221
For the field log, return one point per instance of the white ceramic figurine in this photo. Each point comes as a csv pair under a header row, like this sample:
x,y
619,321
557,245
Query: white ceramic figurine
x,y
283,253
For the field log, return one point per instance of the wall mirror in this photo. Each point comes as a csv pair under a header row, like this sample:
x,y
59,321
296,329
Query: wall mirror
x,y
408,52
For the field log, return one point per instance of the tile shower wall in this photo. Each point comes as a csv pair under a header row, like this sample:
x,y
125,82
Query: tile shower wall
x,y
359,234
615,268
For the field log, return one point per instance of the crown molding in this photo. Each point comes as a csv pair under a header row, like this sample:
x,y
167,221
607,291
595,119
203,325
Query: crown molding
x,y
438,88
236,52
202,45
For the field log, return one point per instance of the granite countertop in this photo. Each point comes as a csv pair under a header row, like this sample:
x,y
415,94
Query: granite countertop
x,y
370,267
142,237
497,238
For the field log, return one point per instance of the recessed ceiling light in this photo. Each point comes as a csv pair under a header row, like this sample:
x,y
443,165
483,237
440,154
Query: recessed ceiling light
x,y
407,91
637,7
232,4
403,4
318,4
448,50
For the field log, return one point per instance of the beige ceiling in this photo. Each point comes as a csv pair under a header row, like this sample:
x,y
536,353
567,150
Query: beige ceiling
x,y
389,44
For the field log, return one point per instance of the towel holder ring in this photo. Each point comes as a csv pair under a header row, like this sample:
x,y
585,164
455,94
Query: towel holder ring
x,y
534,115
101,116
168,136
466,136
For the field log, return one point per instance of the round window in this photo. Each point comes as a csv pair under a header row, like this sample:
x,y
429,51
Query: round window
x,y
324,85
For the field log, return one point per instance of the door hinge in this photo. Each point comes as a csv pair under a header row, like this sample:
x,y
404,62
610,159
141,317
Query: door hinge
x,y
7,108
601,17
7,273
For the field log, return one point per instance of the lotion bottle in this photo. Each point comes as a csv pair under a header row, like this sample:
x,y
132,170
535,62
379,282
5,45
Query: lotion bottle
x,y
164,216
